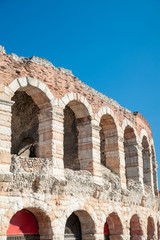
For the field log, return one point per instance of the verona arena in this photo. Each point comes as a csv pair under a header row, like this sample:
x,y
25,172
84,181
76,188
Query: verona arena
x,y
73,162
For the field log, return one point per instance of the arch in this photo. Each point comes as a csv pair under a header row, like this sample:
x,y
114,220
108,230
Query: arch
x,y
77,137
105,111
150,228
71,97
114,226
73,228
109,143
131,154
146,156
41,96
43,223
136,231
23,223
24,82
128,123
142,134
85,227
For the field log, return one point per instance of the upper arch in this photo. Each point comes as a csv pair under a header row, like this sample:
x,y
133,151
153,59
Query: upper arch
x,y
144,133
24,82
69,97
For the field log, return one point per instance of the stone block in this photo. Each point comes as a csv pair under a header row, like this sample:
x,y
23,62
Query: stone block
x,y
14,85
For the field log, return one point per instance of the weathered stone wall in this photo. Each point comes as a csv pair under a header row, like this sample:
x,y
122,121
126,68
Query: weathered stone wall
x,y
76,130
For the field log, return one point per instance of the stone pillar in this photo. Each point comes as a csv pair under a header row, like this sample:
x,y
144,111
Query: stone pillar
x,y
45,133
135,168
5,135
89,149
97,170
147,168
121,160
140,164
155,178
51,138
57,142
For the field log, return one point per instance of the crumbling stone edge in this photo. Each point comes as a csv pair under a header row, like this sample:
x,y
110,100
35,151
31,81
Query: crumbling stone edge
x,y
46,63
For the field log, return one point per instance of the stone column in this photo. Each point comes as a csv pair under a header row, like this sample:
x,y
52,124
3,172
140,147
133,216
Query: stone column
x,y
147,168
140,164
45,133
121,160
51,138
155,177
97,170
5,135
58,141
89,149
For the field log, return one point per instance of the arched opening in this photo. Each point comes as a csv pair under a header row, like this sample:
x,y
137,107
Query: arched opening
x,y
23,226
73,228
158,230
150,229
115,228
30,224
106,231
31,123
154,167
79,226
131,155
146,162
77,137
109,143
25,125
135,228
70,140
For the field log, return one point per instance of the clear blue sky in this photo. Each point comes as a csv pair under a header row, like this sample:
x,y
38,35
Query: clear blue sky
x,y
111,45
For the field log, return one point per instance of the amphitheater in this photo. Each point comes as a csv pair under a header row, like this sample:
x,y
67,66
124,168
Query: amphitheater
x,y
74,164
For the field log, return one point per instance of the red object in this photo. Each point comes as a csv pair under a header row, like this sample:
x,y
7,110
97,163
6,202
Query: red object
x,y
23,222
106,230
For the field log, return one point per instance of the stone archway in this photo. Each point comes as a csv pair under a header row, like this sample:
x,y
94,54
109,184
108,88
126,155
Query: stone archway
x,y
109,143
23,226
39,95
73,228
136,231
79,226
42,220
77,135
131,154
115,227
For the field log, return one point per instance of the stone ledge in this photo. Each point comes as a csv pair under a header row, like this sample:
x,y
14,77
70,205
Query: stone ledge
x,y
6,177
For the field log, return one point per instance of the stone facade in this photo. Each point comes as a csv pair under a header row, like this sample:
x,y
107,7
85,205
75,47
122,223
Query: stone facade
x,y
67,151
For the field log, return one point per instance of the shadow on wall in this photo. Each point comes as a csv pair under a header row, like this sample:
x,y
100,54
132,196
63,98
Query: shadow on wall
x,y
25,125
79,226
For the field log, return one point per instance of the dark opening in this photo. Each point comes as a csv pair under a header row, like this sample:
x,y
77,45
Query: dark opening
x,y
70,140
73,228
24,125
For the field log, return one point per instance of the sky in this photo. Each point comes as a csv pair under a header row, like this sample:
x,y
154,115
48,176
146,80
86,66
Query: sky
x,y
111,45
